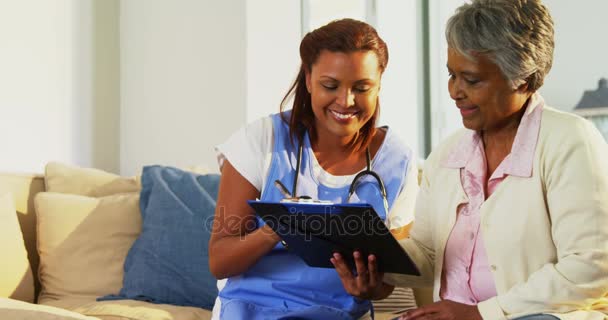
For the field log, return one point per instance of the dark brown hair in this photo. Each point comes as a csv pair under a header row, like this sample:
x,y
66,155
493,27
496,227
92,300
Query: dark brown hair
x,y
345,35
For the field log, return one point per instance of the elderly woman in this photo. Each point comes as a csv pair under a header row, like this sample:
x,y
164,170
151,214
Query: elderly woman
x,y
512,214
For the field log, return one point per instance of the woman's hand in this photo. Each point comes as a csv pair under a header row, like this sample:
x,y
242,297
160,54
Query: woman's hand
x,y
367,283
443,310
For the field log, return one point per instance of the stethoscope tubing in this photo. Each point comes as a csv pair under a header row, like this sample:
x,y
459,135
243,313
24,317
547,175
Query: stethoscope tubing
x,y
352,188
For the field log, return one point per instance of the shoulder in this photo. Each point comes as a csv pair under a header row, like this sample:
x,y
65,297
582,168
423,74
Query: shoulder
x,y
569,142
559,128
254,134
281,118
253,138
393,143
553,118
260,125
433,163
441,151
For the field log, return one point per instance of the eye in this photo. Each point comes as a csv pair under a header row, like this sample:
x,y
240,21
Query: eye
x,y
468,80
362,89
330,87
471,81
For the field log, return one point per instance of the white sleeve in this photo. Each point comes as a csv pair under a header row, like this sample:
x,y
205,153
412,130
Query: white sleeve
x,y
249,150
402,212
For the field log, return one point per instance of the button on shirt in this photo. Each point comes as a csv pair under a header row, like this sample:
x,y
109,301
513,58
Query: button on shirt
x,y
467,274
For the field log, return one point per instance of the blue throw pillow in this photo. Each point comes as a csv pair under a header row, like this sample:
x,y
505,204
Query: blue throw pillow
x,y
168,262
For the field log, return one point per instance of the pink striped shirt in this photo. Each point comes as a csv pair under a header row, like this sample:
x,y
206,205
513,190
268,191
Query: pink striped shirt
x,y
466,276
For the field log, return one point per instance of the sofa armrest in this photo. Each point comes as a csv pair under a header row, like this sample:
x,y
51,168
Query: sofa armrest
x,y
423,296
23,188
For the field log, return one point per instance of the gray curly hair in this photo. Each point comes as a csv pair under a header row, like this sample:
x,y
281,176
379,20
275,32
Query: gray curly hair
x,y
517,35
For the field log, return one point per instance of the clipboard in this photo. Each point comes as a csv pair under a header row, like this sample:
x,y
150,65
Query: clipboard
x,y
314,231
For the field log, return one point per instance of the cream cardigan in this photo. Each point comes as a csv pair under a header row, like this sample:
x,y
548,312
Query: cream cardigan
x,y
546,236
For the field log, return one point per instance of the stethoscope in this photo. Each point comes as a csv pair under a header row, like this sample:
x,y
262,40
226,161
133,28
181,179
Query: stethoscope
x,y
368,171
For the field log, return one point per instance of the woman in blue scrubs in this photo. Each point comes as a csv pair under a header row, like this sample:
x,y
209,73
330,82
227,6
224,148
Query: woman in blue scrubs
x,y
332,125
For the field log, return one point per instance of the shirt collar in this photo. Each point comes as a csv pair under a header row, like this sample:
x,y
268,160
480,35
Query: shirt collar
x,y
521,159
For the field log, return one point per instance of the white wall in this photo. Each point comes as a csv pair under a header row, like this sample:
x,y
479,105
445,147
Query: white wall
x,y
445,117
397,25
182,80
105,83
273,58
51,83
187,73
581,50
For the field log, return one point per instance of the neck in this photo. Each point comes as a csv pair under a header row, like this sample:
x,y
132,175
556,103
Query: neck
x,y
338,156
333,144
502,136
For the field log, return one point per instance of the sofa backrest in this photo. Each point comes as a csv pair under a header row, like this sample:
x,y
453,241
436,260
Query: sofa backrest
x,y
24,187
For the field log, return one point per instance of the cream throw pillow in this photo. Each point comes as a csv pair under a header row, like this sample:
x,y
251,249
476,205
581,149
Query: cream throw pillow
x,y
132,310
63,178
19,310
83,243
16,278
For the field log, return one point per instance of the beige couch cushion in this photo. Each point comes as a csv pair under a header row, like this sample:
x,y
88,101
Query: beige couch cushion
x,y
16,278
131,310
83,243
63,178
19,310
23,188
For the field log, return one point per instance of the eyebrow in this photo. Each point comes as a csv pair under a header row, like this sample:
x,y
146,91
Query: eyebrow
x,y
328,78
323,77
466,73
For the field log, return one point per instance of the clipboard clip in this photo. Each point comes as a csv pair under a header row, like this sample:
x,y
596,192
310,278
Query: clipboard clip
x,y
306,200
301,199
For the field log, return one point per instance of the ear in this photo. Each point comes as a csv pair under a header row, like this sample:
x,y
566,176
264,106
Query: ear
x,y
307,75
522,88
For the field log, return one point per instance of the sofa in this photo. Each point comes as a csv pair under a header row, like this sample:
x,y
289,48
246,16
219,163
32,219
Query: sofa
x,y
53,269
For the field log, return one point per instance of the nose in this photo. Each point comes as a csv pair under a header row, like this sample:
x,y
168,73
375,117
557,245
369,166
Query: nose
x,y
455,89
345,98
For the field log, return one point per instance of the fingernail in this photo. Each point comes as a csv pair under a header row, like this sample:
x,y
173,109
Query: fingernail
x,y
356,254
337,255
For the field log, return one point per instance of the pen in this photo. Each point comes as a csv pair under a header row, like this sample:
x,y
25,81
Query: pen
x,y
286,194
282,188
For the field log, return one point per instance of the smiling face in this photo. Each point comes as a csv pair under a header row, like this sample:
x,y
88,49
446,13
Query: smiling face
x,y
485,98
344,91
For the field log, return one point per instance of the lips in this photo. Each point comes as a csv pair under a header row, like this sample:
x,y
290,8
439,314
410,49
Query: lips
x,y
466,110
342,115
